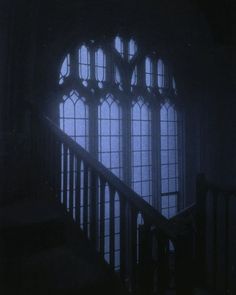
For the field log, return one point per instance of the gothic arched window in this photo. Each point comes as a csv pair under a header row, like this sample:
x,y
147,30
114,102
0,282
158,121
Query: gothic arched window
x,y
110,134
120,104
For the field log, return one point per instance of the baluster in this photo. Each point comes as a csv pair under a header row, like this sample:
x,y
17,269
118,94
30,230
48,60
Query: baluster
x,y
183,264
71,182
226,258
58,169
85,200
112,226
50,157
64,200
77,190
54,167
145,277
44,154
215,237
201,195
47,157
123,238
39,142
93,208
52,172
162,263
132,247
102,214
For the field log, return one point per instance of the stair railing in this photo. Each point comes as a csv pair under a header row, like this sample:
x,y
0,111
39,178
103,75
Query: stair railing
x,y
129,233
215,238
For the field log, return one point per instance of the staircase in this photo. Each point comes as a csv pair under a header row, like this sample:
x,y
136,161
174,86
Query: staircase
x,y
45,253
55,242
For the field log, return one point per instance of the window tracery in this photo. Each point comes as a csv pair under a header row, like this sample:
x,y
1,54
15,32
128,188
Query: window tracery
x,y
147,136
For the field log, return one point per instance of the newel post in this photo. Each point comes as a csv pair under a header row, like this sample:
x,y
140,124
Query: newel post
x,y
201,198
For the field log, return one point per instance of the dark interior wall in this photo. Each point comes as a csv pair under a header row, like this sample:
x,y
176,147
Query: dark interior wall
x,y
37,34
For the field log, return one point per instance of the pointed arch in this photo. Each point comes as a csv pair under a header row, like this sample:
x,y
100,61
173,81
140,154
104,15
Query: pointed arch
x,y
84,63
141,156
110,134
65,69
169,159
74,118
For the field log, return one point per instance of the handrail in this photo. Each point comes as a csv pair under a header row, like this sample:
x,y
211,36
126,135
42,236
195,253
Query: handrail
x,y
210,186
231,192
183,213
184,218
151,214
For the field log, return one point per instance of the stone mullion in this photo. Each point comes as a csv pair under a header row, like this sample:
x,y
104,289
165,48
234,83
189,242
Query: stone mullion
x,y
126,127
156,155
93,126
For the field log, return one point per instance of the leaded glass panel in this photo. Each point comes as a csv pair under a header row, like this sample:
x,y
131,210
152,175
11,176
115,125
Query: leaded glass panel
x,y
169,160
84,63
65,69
141,149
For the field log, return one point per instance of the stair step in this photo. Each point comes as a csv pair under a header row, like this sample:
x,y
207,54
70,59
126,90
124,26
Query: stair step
x,y
42,252
26,212
61,271
200,291
32,226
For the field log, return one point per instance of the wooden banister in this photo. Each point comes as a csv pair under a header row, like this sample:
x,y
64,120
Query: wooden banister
x,y
107,209
137,202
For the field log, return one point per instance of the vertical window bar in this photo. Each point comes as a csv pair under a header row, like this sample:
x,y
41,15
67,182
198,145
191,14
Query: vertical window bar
x,y
155,146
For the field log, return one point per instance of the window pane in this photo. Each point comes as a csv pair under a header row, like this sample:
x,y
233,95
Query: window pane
x,y
109,132
141,148
74,118
148,72
134,78
161,74
119,46
65,69
117,76
169,159
132,48
84,63
100,65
